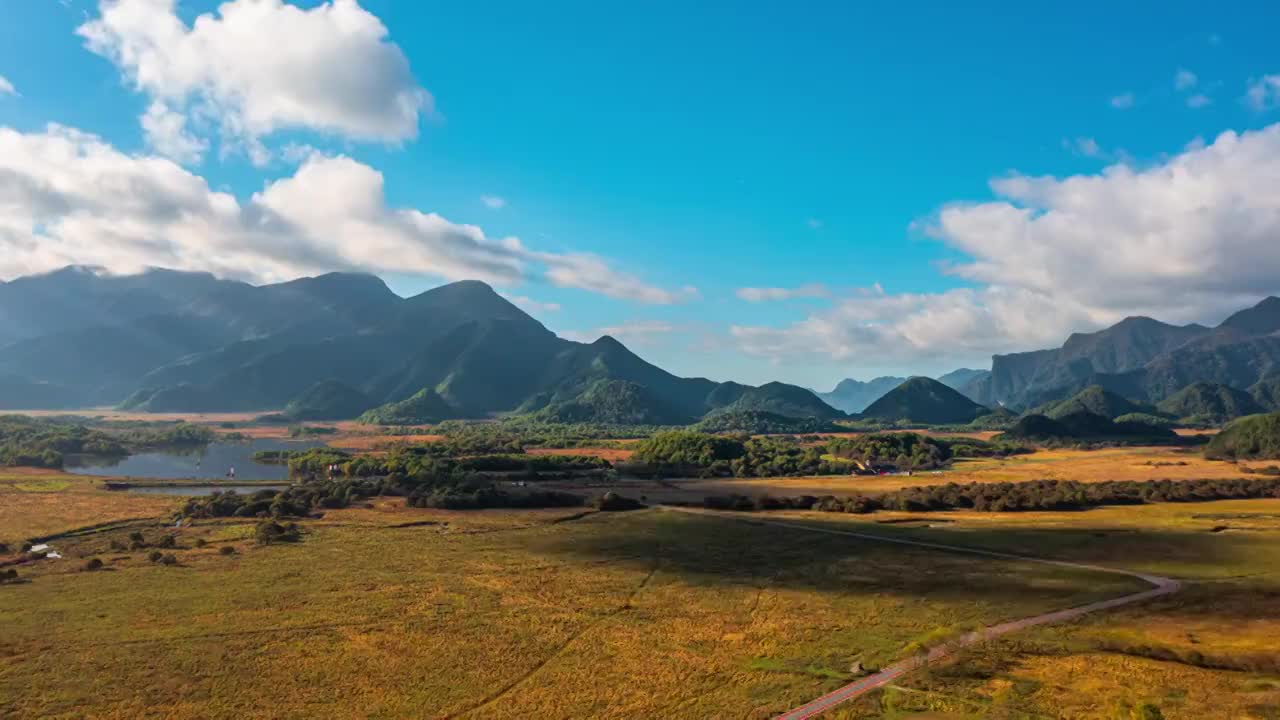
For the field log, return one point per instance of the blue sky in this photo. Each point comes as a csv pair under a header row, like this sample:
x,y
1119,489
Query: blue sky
x,y
722,146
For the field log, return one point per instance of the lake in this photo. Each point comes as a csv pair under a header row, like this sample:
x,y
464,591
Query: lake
x,y
210,462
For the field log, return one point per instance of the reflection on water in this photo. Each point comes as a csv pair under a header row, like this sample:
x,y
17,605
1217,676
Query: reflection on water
x,y
211,462
194,490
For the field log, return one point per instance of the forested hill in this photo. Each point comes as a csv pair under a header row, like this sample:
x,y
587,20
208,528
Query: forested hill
x,y
332,346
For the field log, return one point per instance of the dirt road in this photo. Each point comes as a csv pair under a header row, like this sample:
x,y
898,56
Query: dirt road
x,y
814,708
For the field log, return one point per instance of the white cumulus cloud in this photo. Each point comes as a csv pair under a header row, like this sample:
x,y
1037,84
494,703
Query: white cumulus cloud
x,y
1189,239
6,87
1124,101
67,197
493,202
1184,79
258,66
166,133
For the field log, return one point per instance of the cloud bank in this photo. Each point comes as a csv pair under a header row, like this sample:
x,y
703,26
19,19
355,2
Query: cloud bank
x,y
1189,239
68,197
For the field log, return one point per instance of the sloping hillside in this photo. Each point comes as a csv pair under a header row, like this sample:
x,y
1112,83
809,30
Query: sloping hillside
x,y
1094,399
1209,403
925,400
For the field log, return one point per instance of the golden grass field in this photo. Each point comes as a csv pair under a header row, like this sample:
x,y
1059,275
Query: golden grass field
x,y
386,611
35,503
1209,651
489,614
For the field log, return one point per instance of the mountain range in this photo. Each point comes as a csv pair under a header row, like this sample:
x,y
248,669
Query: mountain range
x,y
331,346
1144,361
342,344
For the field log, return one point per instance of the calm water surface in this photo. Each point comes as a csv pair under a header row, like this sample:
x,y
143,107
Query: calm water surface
x,y
211,462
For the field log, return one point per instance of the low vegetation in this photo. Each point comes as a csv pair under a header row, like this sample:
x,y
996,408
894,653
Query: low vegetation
x,y
1041,495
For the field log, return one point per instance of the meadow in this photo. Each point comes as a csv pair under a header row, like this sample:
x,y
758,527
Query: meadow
x,y
388,611
489,614
1211,650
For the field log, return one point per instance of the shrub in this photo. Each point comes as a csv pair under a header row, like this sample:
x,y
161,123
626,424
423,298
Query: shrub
x,y
269,532
169,559
155,555
8,576
93,564
226,550
168,541
200,542
613,502
4,549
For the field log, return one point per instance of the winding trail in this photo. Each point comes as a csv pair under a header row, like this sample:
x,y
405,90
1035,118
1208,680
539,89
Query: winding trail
x,y
1159,586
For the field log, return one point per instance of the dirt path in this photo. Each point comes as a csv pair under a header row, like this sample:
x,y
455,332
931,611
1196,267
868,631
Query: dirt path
x,y
1160,586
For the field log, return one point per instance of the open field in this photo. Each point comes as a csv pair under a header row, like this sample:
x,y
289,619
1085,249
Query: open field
x,y
1211,650
35,503
490,614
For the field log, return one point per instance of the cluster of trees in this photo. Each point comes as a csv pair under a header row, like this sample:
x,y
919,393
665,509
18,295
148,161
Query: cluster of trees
x,y
526,433
688,452
1256,437
761,422
432,459
1017,497
37,442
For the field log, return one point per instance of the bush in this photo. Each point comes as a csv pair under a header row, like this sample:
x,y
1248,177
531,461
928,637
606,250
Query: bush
x,y
613,502
269,532
8,576
200,542
155,555
226,550
93,564
169,559
168,541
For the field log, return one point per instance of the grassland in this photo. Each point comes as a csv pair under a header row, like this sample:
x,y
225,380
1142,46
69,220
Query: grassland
x,y
35,503
489,615
1210,651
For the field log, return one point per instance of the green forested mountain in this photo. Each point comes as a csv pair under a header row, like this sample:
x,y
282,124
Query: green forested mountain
x,y
925,400
1209,403
1093,399
332,346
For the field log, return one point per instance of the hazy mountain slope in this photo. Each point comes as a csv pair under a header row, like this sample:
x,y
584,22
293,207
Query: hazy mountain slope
x,y
959,378
853,396
328,400
924,400
1141,358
